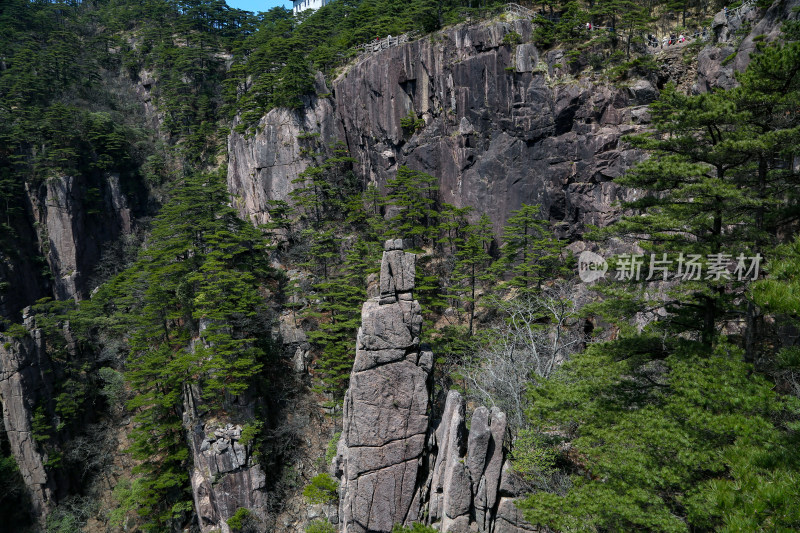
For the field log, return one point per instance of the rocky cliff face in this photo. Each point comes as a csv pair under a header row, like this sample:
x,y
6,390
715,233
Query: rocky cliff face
x,y
73,221
735,39
75,218
224,476
262,167
396,464
499,129
504,124
27,378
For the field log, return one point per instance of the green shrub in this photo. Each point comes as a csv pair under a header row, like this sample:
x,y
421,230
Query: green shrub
x,y
250,432
243,521
330,452
71,514
113,385
512,38
534,457
16,331
729,58
126,493
322,489
321,526
410,123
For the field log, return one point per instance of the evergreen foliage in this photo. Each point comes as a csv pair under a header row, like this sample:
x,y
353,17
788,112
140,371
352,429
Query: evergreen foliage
x,y
321,526
530,253
413,195
323,489
660,431
190,307
473,260
718,184
659,437
339,315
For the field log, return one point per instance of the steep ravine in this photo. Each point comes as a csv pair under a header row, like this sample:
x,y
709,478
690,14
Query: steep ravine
x,y
505,125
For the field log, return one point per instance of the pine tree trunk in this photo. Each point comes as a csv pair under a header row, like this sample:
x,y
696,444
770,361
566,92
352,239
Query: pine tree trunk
x,y
752,317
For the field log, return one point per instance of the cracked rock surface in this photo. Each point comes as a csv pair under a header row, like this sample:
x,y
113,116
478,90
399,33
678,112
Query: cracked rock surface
x,y
386,406
396,464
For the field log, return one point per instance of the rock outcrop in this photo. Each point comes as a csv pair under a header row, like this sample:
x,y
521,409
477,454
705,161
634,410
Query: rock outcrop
x,y
731,52
500,130
380,454
27,378
465,481
224,476
262,168
75,218
505,125
395,465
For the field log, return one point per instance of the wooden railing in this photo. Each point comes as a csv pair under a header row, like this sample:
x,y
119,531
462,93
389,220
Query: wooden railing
x,y
518,11
386,42
742,10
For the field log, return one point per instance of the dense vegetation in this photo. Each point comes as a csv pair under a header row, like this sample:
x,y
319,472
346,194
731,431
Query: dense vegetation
x,y
683,426
688,424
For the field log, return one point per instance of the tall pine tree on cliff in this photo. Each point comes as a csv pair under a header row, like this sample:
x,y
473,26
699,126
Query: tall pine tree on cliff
x,y
202,268
472,272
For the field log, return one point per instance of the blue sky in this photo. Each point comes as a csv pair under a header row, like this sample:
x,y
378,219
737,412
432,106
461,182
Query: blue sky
x,y
259,5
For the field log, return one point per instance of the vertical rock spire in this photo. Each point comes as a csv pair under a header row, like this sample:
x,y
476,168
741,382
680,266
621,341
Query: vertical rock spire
x,y
386,406
398,466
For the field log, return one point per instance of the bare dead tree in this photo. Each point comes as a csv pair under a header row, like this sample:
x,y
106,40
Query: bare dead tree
x,y
535,334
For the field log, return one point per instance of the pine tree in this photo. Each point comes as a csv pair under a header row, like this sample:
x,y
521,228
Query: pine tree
x,y
279,227
720,186
453,225
294,81
413,195
472,270
339,314
530,252
363,214
200,269
324,188
662,436
689,176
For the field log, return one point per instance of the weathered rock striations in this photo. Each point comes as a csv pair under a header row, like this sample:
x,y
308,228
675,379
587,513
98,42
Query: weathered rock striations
x,y
224,476
262,168
471,478
718,64
75,218
395,465
504,124
499,132
386,406
27,378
